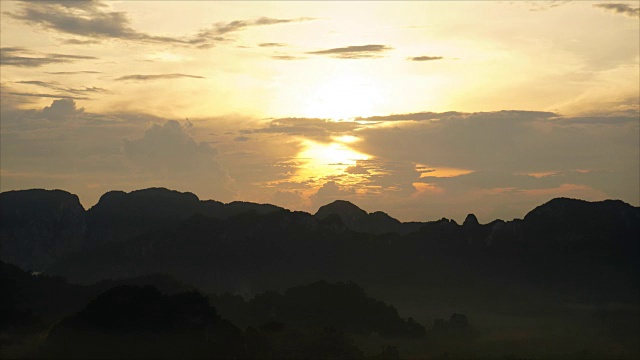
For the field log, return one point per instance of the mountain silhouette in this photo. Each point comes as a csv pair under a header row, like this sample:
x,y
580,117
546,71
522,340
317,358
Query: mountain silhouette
x,y
570,262
359,220
118,215
40,226
220,246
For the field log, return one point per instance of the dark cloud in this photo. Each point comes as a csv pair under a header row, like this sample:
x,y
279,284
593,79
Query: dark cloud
x,y
411,116
157,77
72,72
80,42
622,9
288,198
286,57
216,33
83,18
513,140
546,5
632,117
354,52
56,86
168,152
271,44
61,109
331,191
357,170
17,56
92,19
241,138
425,58
319,129
58,96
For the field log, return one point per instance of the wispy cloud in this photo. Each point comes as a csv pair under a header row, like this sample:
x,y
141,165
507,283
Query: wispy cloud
x,y
80,42
421,116
216,33
546,5
272,44
53,85
73,72
622,9
156,77
425,58
354,51
17,56
286,57
56,96
94,20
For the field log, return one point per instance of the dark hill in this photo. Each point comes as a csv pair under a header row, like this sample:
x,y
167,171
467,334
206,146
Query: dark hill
x,y
118,215
142,323
40,226
359,220
343,306
47,299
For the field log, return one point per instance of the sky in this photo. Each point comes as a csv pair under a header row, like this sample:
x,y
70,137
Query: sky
x,y
422,110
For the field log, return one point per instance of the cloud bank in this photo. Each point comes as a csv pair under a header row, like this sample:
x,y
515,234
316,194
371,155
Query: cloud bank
x,y
622,9
354,51
17,56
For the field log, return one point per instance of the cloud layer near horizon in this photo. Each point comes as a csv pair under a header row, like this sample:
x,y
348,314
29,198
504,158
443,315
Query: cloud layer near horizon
x,y
448,163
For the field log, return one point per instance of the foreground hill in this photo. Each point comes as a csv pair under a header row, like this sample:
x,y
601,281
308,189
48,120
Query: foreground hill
x,y
159,318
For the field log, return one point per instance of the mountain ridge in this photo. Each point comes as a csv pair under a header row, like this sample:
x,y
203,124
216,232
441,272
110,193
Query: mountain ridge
x,y
63,227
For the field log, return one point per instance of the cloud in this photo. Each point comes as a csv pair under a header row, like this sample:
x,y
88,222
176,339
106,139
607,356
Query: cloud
x,y
503,153
157,77
425,58
271,44
289,199
206,38
241,138
73,72
92,19
58,96
354,52
54,85
545,5
61,109
357,170
286,57
319,129
622,9
509,140
422,116
232,26
169,153
331,191
79,18
80,42
17,56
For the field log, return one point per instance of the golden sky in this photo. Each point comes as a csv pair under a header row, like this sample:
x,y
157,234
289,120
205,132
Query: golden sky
x,y
419,109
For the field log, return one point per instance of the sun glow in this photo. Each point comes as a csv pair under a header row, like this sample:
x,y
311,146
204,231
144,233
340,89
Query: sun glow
x,y
321,160
344,97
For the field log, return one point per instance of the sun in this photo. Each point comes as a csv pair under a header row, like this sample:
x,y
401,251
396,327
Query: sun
x,y
343,97
322,160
